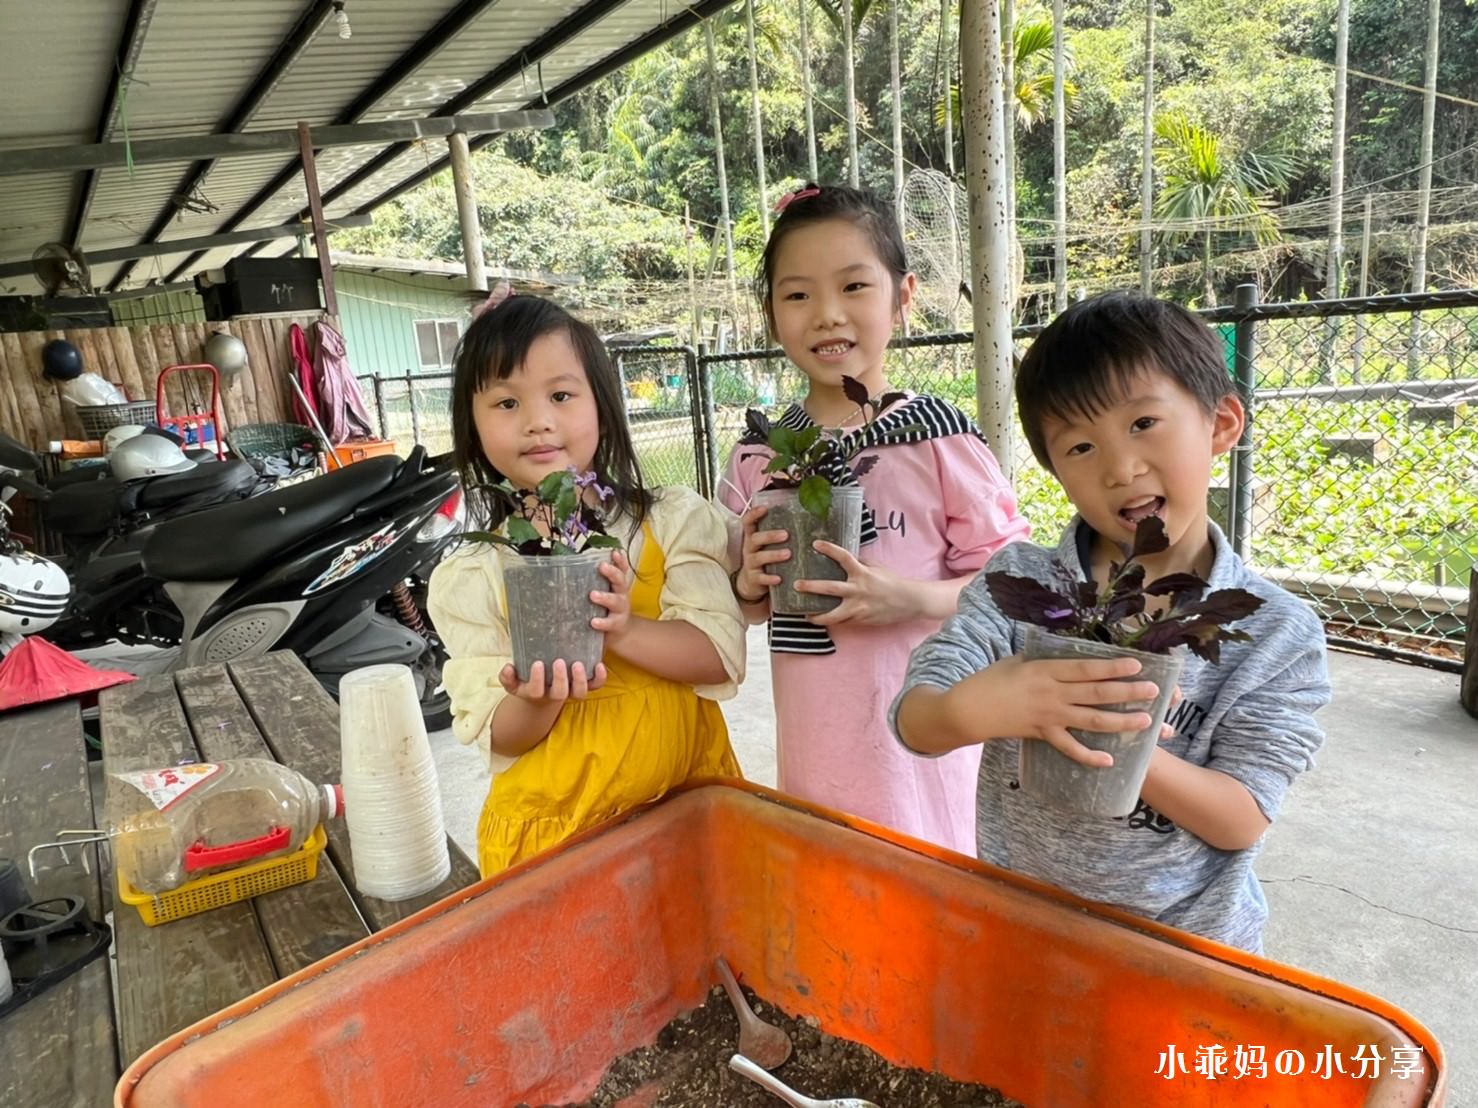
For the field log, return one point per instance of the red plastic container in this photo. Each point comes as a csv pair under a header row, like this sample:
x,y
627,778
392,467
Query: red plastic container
x,y
523,988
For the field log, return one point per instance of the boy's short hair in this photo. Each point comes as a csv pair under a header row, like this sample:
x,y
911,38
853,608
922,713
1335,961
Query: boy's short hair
x,y
1082,363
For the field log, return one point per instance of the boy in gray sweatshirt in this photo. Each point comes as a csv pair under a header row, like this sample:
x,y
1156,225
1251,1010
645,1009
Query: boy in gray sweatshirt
x,y
1126,400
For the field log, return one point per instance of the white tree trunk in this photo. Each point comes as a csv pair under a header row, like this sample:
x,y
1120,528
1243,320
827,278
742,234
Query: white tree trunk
x,y
1357,354
1008,137
1424,185
1333,283
897,90
1334,259
806,92
986,124
850,91
947,49
723,173
1059,157
1147,158
759,124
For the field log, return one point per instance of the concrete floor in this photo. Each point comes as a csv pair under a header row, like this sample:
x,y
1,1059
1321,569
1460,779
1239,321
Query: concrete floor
x,y
1371,871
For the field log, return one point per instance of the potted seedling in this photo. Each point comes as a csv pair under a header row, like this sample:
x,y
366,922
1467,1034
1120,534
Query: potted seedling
x,y
552,545
1077,620
804,499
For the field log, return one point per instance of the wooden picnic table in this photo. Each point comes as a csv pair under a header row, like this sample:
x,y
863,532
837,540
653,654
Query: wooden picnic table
x,y
61,1047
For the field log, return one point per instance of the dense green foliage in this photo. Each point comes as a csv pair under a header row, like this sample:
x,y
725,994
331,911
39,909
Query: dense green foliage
x,y
602,195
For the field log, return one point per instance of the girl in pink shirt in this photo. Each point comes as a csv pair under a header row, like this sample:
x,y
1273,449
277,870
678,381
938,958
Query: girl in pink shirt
x,y
834,283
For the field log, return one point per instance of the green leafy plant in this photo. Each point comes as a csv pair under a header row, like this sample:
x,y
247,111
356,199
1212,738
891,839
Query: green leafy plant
x,y
555,518
1117,614
812,460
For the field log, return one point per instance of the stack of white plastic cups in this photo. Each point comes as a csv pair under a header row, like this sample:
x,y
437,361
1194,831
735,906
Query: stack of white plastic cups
x,y
392,803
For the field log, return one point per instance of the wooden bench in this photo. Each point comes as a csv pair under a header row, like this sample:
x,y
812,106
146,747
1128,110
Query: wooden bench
x,y
170,976
60,1048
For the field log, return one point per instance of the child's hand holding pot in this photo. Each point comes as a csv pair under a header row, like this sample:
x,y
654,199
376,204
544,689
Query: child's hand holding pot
x,y
617,602
564,682
760,550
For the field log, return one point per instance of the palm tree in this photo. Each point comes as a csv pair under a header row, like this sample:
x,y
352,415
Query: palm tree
x,y
1033,76
1147,154
814,173
856,11
1211,188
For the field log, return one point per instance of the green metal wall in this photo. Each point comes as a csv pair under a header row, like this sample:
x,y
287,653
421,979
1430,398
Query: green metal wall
x,y
166,307
379,314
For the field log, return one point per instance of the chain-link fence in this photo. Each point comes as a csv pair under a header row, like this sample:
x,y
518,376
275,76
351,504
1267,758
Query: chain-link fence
x,y
1355,486
1358,484
664,403
412,408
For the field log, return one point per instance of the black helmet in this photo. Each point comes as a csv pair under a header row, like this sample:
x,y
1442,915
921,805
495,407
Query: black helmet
x,y
60,360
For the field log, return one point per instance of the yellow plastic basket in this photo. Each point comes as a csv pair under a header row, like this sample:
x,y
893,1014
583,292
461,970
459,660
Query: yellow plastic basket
x,y
228,886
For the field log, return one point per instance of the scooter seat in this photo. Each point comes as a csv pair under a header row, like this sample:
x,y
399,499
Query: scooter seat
x,y
227,542
197,488
89,507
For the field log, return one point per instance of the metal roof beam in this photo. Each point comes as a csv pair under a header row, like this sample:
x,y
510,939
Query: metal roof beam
x,y
130,45
199,242
298,39
540,49
446,29
680,22
55,159
531,55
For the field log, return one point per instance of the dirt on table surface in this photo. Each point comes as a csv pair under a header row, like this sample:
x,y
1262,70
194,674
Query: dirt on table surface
x,y
689,1068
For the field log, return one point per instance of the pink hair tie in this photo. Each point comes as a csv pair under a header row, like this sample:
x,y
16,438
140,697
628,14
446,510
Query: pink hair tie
x,y
791,197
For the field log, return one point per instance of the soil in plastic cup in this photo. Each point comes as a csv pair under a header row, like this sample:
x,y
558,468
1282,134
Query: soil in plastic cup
x,y
842,527
549,608
392,802
1108,791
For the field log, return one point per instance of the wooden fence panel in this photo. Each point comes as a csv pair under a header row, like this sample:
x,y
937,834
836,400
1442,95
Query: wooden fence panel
x,y
31,408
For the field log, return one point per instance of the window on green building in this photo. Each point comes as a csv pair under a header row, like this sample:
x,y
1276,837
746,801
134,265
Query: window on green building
x,y
436,342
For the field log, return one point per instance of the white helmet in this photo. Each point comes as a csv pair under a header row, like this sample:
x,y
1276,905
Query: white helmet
x,y
119,435
148,456
33,593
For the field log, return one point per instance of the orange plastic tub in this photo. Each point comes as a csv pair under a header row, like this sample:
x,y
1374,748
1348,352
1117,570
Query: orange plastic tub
x,y
523,988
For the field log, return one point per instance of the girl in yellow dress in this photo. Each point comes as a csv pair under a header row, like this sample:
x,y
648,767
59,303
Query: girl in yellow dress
x,y
535,393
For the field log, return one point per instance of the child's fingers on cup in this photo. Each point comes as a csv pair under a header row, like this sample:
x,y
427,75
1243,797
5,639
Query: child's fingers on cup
x,y
1167,732
534,686
508,678
825,588
610,601
612,572
769,557
579,686
1100,719
559,680
761,539
1091,669
840,555
754,514
1070,747
1113,692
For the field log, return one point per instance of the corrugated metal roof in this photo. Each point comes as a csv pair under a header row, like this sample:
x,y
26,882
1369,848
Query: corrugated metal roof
x,y
266,64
